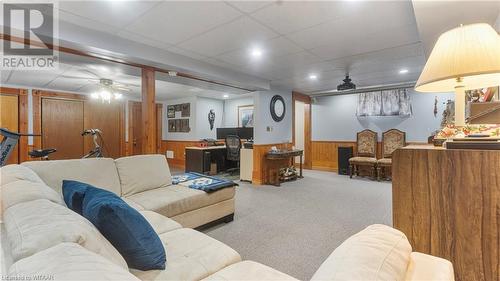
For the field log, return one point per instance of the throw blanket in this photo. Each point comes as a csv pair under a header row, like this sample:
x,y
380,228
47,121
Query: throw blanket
x,y
202,182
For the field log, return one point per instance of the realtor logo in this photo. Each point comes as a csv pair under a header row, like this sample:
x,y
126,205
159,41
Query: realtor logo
x,y
31,27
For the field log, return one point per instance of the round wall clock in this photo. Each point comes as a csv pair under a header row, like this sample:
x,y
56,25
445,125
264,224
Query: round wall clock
x,y
277,108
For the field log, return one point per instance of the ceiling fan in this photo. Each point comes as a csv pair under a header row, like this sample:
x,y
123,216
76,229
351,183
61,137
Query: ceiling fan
x,y
108,90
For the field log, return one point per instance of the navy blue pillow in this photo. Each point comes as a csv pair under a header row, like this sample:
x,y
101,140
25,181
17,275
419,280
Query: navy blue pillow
x,y
125,228
73,193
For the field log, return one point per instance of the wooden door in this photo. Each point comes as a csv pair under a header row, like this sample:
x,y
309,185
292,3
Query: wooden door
x,y
9,119
136,132
62,125
135,127
105,117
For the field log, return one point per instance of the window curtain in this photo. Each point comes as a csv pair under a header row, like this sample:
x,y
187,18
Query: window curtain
x,y
384,103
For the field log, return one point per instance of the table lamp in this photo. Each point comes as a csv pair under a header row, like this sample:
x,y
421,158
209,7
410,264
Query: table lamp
x,y
464,58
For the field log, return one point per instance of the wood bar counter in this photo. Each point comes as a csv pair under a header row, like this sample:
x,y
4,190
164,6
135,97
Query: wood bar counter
x,y
447,202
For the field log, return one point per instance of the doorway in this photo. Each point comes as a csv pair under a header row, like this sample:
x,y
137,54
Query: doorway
x,y
135,127
301,127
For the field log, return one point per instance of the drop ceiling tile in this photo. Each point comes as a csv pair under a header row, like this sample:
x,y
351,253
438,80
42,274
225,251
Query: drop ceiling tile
x,y
289,16
28,79
241,33
175,21
115,13
249,6
297,59
144,40
187,53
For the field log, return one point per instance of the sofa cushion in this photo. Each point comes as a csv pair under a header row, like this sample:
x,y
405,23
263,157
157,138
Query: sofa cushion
x,y
192,255
426,267
160,224
37,225
70,261
142,172
378,252
16,172
125,228
177,199
73,193
23,191
249,271
95,171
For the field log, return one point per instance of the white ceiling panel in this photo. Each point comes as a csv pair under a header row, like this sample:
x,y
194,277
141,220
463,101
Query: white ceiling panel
x,y
238,34
289,16
114,13
249,6
175,21
139,38
81,21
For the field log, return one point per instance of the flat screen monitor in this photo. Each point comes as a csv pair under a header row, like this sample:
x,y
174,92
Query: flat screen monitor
x,y
243,133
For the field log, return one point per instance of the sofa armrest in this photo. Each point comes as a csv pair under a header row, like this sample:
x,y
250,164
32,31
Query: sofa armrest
x,y
426,267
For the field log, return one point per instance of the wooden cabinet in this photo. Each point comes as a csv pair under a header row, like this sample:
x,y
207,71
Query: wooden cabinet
x,y
447,202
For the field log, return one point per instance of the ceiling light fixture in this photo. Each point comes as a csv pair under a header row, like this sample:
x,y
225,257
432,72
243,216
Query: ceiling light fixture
x,y
313,77
225,96
172,73
256,53
403,71
106,91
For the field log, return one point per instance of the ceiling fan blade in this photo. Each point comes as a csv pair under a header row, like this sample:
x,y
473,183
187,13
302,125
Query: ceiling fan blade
x,y
122,88
76,77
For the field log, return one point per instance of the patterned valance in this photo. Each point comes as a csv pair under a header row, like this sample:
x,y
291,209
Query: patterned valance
x,y
384,103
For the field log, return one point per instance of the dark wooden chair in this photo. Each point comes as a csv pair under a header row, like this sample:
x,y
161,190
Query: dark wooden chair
x,y
391,140
366,154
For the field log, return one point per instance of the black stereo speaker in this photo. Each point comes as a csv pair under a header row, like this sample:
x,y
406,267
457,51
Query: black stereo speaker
x,y
344,153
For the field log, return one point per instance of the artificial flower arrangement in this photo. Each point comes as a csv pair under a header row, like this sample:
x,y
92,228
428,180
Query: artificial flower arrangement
x,y
452,131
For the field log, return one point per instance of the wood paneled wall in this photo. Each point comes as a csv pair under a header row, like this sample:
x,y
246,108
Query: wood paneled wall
x,y
447,202
179,148
261,167
110,118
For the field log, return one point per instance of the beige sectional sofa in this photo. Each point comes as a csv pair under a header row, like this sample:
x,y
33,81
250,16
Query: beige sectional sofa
x,y
42,237
145,183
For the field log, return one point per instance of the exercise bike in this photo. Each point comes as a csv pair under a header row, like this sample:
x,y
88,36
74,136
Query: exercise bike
x,y
9,142
97,151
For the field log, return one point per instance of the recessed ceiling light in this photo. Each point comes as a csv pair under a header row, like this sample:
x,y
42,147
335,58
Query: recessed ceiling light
x,y
403,71
256,53
225,96
313,77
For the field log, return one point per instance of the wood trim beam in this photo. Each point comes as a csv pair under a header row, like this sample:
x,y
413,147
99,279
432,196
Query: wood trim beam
x,y
148,111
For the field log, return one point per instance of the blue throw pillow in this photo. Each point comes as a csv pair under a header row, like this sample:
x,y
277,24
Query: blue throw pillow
x,y
125,228
73,193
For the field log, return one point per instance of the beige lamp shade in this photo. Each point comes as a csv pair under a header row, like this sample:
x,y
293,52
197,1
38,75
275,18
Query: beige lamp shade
x,y
469,53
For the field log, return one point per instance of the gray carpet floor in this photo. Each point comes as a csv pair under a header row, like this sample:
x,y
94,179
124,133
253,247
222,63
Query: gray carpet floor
x,y
295,227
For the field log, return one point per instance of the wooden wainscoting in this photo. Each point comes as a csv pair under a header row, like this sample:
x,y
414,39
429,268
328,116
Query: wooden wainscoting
x,y
325,153
178,148
260,173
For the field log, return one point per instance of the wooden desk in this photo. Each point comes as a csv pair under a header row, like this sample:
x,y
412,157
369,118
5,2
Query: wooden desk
x,y
198,159
447,202
284,155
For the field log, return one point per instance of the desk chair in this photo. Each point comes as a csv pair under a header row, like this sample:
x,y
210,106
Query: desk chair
x,y
233,147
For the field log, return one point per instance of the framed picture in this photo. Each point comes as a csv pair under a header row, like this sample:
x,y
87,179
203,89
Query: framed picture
x,y
185,110
185,126
245,116
177,125
171,111
177,107
171,126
